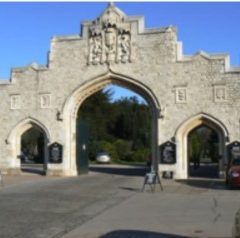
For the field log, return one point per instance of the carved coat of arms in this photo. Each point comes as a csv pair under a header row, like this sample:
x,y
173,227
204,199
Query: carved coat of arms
x,y
110,38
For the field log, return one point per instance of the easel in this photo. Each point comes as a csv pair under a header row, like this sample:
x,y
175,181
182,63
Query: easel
x,y
152,178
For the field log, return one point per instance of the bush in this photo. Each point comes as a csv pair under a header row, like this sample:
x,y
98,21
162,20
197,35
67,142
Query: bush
x,y
122,148
104,146
141,155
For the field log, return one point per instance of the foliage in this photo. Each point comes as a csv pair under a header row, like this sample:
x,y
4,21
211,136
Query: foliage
x,y
32,145
105,146
99,113
122,128
122,148
203,143
139,155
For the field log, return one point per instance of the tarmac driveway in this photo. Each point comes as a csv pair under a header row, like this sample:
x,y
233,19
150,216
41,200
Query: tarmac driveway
x,y
108,203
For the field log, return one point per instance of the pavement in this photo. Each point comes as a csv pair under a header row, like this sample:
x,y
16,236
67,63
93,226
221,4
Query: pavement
x,y
109,203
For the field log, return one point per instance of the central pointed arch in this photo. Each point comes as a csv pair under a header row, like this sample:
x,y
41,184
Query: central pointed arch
x,y
85,90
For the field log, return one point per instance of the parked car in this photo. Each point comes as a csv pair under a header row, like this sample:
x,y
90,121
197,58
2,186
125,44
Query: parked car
x,y
103,158
233,173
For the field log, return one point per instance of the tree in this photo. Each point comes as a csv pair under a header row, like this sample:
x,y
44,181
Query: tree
x,y
124,123
203,143
97,110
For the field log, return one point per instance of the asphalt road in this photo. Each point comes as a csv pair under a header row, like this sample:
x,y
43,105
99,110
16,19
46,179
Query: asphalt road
x,y
108,203
50,208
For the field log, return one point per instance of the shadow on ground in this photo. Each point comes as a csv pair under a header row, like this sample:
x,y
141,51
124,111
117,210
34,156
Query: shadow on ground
x,y
207,170
139,234
131,189
124,171
215,184
33,169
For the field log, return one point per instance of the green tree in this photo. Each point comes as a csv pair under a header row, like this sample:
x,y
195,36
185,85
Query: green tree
x,y
122,127
97,110
195,148
203,143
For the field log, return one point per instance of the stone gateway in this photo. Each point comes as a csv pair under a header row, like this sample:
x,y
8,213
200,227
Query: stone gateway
x,y
183,92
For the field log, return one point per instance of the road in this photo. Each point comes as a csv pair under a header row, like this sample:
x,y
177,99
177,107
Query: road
x,y
44,208
108,203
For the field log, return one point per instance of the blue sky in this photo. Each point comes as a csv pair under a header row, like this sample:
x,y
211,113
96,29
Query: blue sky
x,y
26,28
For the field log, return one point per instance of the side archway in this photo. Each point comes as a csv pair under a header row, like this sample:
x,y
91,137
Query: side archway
x,y
182,134
78,96
14,141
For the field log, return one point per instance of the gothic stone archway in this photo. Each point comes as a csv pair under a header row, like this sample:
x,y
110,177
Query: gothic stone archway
x,y
182,141
75,100
146,61
14,141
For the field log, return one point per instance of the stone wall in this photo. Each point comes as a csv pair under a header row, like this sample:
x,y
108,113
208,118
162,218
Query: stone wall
x,y
184,86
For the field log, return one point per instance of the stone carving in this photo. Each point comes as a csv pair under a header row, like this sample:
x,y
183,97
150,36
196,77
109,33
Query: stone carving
x,y
45,100
110,38
96,49
110,43
220,93
181,95
124,48
15,102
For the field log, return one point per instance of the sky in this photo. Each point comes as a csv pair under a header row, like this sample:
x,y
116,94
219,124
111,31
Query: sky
x,y
27,28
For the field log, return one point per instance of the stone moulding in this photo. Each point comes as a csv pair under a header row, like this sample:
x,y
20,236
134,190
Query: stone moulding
x,y
95,84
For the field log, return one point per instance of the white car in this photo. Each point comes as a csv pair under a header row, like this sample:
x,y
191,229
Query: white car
x,y
103,158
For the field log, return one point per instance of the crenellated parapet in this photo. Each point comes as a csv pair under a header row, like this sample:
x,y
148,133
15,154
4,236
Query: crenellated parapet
x,y
115,38
18,72
217,59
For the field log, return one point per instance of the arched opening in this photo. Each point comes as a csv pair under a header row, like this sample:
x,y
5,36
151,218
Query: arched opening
x,y
203,152
197,126
28,147
84,91
32,155
114,127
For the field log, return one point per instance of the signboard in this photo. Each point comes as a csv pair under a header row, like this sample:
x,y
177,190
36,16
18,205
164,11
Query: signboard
x,y
55,153
233,150
168,153
152,179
